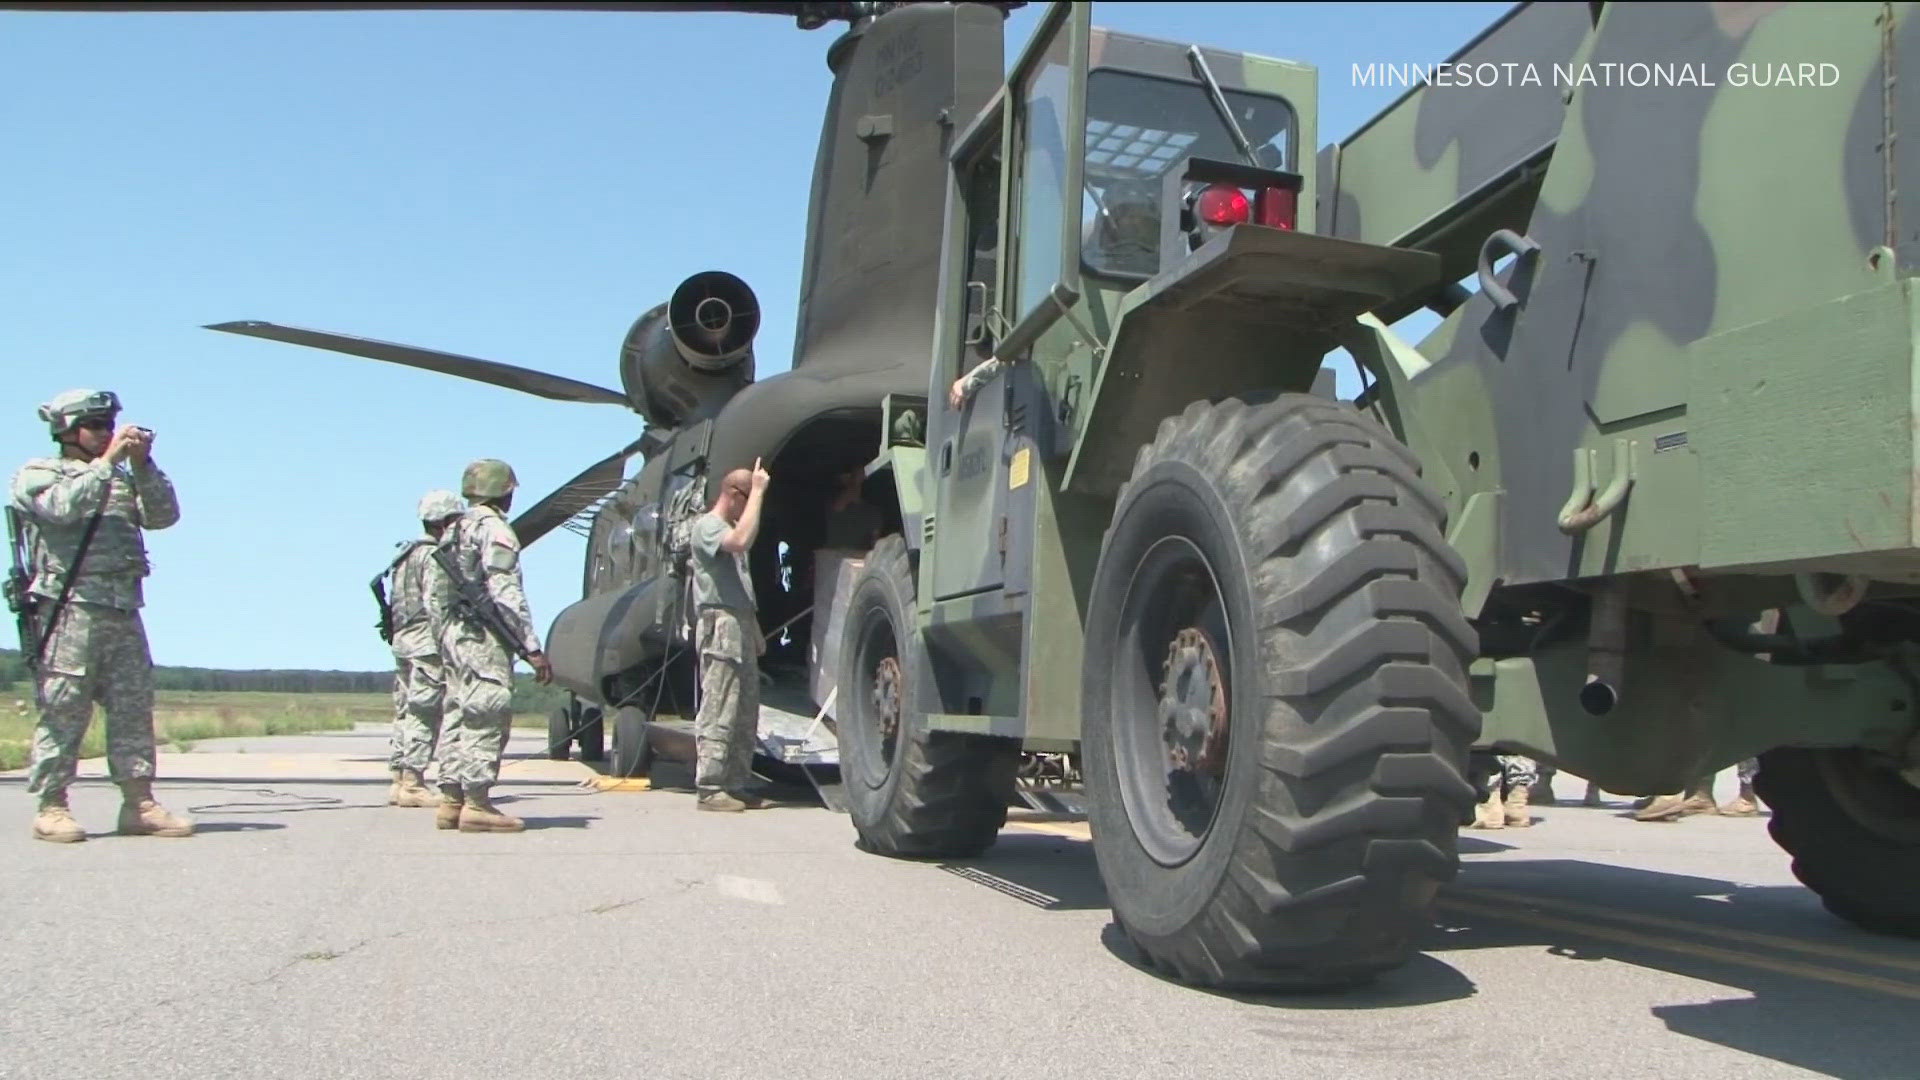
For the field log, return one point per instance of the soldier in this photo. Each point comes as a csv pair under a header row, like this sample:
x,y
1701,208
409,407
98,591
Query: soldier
x,y
419,683
730,642
1517,774
85,510
478,709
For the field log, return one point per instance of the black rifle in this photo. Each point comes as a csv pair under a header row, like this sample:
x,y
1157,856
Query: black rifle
x,y
22,603
25,605
472,599
385,624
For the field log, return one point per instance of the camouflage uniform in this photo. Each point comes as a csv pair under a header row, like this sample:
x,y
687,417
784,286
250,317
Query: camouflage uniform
x,y
1500,810
419,684
982,373
477,710
729,641
97,651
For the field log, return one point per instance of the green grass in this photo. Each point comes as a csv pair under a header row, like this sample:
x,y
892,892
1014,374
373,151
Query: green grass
x,y
183,717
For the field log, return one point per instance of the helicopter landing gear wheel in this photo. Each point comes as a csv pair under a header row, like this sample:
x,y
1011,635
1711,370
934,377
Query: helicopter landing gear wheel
x,y
593,734
912,793
632,754
1275,709
559,733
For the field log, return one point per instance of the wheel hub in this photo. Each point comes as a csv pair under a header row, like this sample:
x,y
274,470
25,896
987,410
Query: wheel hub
x,y
886,698
1193,706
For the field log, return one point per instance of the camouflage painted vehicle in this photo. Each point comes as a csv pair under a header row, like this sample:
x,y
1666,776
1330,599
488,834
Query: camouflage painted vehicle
x,y
1679,404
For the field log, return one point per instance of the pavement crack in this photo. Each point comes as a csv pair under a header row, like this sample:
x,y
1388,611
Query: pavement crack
x,y
682,887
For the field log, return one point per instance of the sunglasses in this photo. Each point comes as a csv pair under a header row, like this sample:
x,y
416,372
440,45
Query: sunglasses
x,y
94,423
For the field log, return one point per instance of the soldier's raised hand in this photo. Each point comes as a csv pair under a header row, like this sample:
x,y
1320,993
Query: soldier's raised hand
x,y
760,476
139,444
121,446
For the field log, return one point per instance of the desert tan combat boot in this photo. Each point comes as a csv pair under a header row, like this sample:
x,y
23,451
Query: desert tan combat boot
x,y
409,789
479,815
451,802
1700,798
1517,816
1743,804
1488,814
720,801
141,816
55,824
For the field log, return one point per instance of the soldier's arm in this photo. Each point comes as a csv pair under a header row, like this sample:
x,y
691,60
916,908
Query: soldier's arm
x,y
967,385
43,493
159,506
500,558
436,589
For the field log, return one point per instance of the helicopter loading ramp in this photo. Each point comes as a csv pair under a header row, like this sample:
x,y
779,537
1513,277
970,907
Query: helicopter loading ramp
x,y
796,743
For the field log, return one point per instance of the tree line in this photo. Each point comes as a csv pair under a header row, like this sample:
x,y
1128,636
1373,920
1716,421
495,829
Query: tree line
x,y
528,696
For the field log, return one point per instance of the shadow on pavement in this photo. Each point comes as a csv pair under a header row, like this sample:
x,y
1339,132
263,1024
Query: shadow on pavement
x,y
537,823
1825,996
202,827
1813,992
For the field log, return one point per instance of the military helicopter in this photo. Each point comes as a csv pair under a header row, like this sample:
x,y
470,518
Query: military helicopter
x,y
905,76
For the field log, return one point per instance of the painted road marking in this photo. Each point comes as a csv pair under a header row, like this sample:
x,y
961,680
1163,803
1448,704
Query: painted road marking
x,y
754,889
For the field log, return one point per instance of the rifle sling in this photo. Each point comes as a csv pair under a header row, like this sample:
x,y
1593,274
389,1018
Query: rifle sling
x,y
73,574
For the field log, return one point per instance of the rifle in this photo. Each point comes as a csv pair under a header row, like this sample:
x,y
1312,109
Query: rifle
x,y
384,626
472,599
22,603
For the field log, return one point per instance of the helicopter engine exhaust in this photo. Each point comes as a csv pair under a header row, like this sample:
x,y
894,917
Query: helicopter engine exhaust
x,y
685,358
714,317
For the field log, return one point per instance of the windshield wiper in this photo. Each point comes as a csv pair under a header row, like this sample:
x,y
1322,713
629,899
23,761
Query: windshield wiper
x,y
1220,104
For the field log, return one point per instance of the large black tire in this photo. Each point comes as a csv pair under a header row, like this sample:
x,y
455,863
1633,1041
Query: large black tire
x,y
632,754
912,793
559,733
593,735
1852,827
1281,564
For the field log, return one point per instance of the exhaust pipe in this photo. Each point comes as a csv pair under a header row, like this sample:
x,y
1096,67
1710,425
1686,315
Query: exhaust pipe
x,y
1606,650
713,318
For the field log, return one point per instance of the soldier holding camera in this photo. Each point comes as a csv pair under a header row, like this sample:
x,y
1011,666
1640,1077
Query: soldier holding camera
x,y
80,517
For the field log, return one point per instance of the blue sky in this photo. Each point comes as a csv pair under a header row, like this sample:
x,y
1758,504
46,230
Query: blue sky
x,y
518,186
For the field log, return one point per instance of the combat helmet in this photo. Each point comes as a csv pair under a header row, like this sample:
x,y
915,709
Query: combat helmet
x,y
68,409
488,478
439,506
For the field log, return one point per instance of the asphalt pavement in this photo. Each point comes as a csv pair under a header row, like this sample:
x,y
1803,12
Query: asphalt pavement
x,y
310,930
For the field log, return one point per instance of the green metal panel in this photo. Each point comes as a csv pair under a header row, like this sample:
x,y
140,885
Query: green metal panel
x,y
1843,370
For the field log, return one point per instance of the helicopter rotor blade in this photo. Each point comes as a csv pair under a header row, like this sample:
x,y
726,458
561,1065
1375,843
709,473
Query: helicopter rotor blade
x,y
525,380
808,15
593,483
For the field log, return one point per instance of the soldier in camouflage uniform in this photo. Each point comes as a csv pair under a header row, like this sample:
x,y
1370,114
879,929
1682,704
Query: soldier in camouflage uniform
x,y
94,645
478,707
419,683
730,643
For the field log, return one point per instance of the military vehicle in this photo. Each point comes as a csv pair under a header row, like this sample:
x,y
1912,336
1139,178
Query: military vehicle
x,y
1268,627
